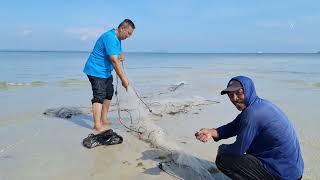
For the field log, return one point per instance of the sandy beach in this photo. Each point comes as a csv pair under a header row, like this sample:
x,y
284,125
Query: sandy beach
x,y
50,148
53,150
35,146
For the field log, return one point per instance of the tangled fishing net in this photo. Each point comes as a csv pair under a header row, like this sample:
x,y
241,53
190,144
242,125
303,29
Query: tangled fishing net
x,y
137,116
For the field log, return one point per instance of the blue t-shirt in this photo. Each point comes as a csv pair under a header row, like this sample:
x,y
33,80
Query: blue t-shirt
x,y
98,63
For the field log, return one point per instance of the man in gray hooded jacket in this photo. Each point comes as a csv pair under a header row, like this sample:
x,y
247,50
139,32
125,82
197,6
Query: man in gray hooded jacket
x,y
266,145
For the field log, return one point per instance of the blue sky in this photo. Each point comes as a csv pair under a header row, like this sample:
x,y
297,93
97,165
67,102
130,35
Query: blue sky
x,y
166,26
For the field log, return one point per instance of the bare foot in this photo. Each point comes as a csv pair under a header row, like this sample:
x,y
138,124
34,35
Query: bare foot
x,y
99,129
106,123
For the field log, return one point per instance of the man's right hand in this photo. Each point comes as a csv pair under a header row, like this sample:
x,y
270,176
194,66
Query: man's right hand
x,y
121,57
125,83
205,134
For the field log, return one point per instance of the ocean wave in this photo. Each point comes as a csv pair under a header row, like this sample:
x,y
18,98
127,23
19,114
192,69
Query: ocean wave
x,y
302,83
295,81
162,67
8,85
73,82
286,72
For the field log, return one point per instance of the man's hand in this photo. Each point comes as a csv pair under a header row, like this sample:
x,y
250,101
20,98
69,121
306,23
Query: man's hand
x,y
121,57
125,83
205,134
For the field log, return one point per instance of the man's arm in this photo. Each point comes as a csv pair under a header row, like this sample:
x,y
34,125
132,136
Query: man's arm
x,y
117,67
247,131
229,130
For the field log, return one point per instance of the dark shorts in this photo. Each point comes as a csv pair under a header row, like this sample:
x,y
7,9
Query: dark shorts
x,y
102,88
243,167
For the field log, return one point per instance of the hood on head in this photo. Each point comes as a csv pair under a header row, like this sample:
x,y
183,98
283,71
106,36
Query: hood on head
x,y
248,87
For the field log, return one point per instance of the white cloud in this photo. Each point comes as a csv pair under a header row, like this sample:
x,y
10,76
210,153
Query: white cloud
x,y
84,33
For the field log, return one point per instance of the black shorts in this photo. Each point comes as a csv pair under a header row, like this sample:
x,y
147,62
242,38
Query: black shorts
x,y
102,88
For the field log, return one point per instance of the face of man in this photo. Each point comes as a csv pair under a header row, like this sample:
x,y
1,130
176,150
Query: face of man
x,y
124,32
237,99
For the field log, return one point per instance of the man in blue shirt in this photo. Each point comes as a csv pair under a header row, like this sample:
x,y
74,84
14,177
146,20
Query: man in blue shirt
x,y
266,145
105,57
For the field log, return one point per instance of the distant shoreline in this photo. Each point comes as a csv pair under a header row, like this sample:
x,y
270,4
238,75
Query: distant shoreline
x,y
155,52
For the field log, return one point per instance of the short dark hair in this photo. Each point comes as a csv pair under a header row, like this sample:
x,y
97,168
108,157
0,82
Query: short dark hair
x,y
127,22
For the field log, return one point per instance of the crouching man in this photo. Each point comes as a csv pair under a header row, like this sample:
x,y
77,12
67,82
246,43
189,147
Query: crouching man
x,y
266,145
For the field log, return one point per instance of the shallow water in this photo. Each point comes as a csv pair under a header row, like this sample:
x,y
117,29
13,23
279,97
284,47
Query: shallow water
x,y
31,82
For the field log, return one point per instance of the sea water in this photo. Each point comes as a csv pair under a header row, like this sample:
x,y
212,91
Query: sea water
x,y
31,82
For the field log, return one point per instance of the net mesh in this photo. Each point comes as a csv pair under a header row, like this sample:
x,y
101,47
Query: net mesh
x,y
137,116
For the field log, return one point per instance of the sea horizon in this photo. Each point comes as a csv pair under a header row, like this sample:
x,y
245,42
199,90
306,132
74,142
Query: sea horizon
x,y
157,52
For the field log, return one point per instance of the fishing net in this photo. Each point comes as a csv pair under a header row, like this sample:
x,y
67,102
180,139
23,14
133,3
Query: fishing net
x,y
138,116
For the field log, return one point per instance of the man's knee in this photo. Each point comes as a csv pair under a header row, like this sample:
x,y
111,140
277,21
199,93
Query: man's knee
x,y
97,100
218,161
223,162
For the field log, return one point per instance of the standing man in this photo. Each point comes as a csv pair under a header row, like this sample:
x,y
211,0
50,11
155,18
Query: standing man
x,y
105,57
266,145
